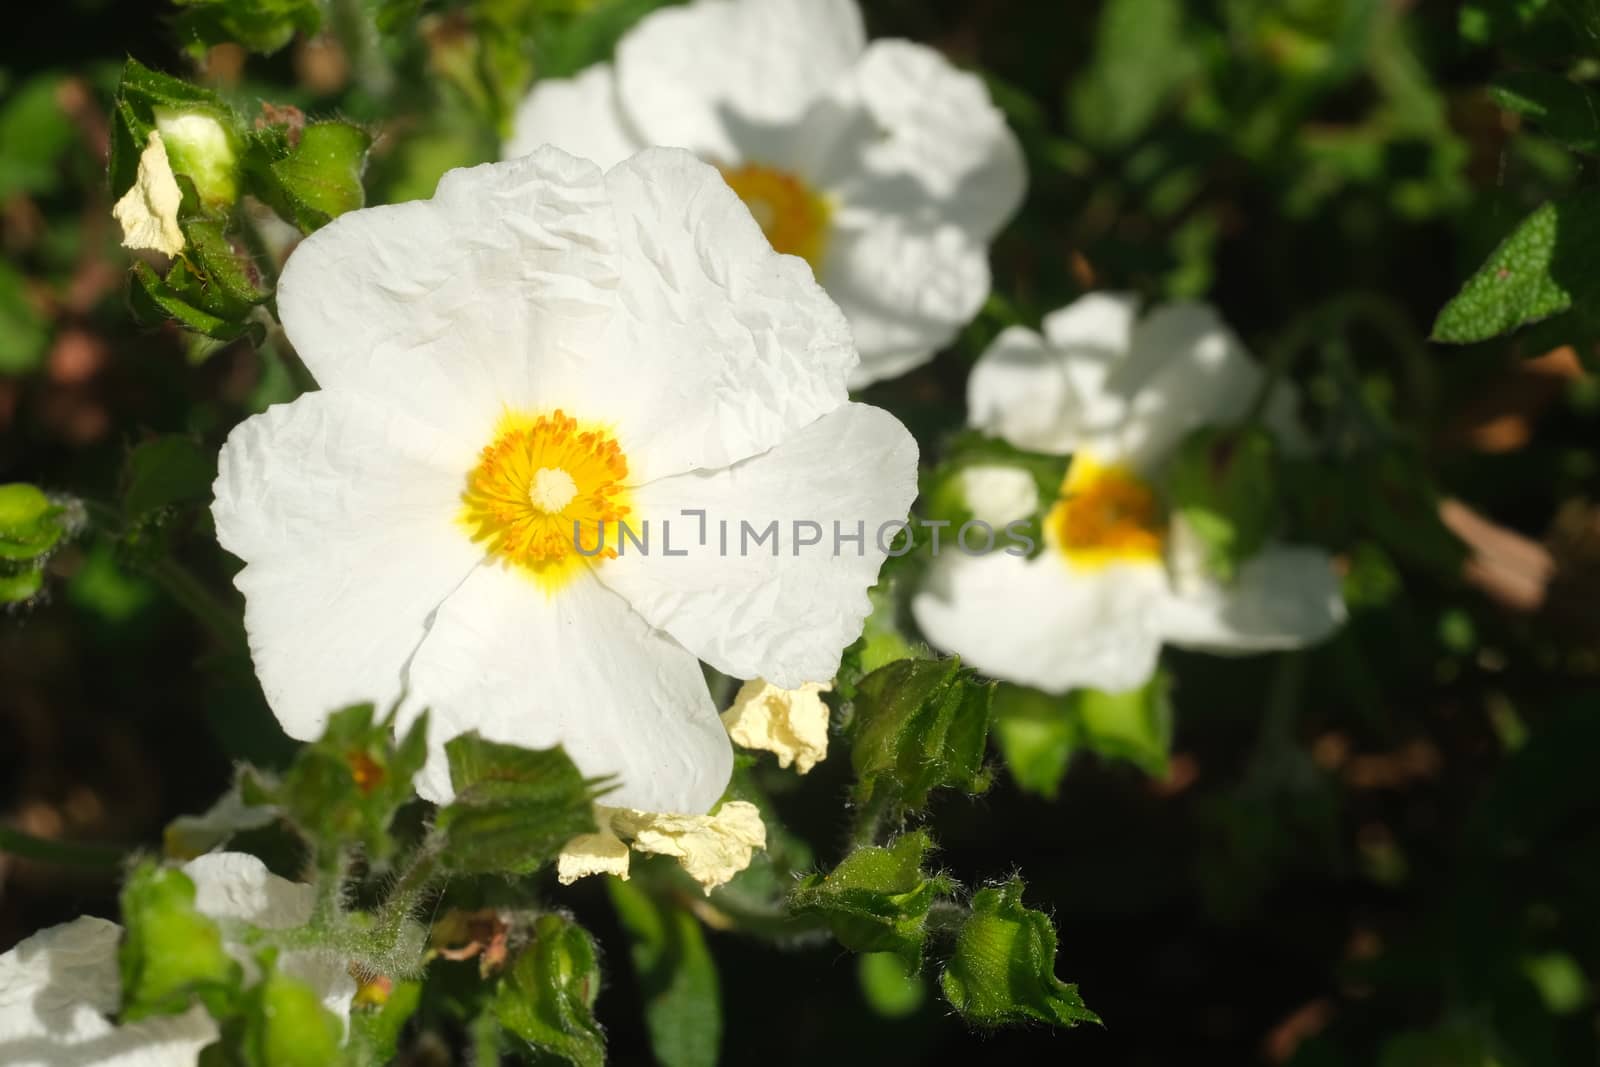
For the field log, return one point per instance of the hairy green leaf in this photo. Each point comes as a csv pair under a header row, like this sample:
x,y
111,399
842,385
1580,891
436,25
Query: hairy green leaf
x,y
876,899
677,977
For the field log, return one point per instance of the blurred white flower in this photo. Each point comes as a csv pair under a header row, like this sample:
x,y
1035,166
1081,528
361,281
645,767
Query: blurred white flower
x,y
58,987
882,165
711,848
1116,579
543,347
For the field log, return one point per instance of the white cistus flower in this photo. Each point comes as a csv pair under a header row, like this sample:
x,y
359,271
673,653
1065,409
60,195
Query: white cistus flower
x,y
509,372
886,168
59,988
1116,579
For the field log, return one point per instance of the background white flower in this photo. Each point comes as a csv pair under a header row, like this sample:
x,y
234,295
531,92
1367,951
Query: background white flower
x,y
542,344
884,166
58,987
1115,579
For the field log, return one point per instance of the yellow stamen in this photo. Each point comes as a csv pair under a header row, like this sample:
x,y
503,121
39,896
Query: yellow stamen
x,y
544,486
792,215
1106,514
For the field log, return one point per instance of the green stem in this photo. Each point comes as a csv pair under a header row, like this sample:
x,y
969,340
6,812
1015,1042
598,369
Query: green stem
x,y
192,595
406,897
61,853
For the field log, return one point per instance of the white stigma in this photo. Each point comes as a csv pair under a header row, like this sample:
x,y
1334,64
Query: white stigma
x,y
551,489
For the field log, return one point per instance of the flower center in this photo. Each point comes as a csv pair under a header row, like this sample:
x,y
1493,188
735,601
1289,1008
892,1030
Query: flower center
x,y
1106,514
792,215
543,492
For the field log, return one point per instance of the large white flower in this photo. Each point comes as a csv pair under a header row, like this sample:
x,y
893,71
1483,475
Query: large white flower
x,y
539,351
58,987
881,164
1116,579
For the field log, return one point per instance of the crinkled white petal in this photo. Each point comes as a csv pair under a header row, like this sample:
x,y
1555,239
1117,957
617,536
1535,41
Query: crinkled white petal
x,y
148,211
792,724
711,848
344,511
578,668
1284,597
933,142
602,852
1019,390
720,348
57,989
1042,623
774,609
580,115
687,76
494,294
999,495
907,285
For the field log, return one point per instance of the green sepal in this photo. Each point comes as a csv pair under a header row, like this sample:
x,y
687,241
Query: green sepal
x,y
21,586
280,1022
145,94
170,954
514,807
154,301
1037,735
1223,485
547,996
877,899
30,524
918,725
1002,971
312,175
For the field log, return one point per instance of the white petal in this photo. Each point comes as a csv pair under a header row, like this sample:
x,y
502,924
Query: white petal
x,y
1019,391
1042,623
578,115
747,612
234,885
721,348
344,512
1102,321
56,989
999,495
908,286
933,142
493,294
687,74
577,668
1284,597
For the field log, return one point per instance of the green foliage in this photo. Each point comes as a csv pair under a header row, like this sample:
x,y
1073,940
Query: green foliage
x,y
547,997
375,1029
677,977
1140,58
1003,967
259,25
1038,734
1565,110
30,523
280,1022
1223,485
893,989
514,808
171,955
343,789
27,336
312,175
165,472
876,899
919,725
33,139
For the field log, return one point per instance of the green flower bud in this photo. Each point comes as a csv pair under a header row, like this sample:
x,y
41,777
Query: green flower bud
x,y
200,146
30,525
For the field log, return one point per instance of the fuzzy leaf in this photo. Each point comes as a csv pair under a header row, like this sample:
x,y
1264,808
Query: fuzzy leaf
x,y
876,899
677,978
547,998
919,725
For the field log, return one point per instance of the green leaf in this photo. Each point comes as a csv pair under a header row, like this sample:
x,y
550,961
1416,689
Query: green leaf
x,y
1565,110
891,988
166,471
919,725
30,525
262,26
21,586
1223,485
547,998
155,300
1543,268
282,1023
226,264
1037,734
1140,59
346,786
171,953
26,332
677,977
1003,968
1135,726
514,807
876,899
35,134
375,1028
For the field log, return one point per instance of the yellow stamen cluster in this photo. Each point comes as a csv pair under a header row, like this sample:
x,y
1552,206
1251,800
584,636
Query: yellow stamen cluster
x,y
1106,514
792,215
544,486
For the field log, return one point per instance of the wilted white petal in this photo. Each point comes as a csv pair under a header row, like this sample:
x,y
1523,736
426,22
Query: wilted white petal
x,y
792,724
148,211
711,848
597,853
